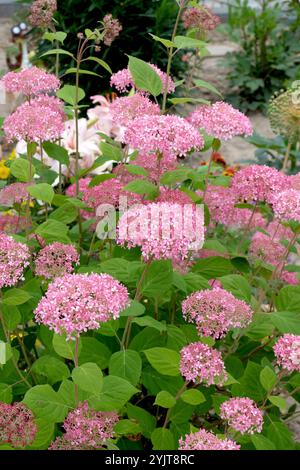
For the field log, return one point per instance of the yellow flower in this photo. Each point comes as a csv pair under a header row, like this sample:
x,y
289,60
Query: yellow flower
x,y
4,172
12,155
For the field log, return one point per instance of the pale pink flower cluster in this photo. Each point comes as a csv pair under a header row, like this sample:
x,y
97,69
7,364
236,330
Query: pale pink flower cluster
x,y
83,185
30,82
199,363
242,415
173,196
112,28
127,108
221,120
287,352
286,205
86,429
41,13
14,257
162,230
289,278
168,135
200,18
215,312
123,81
109,192
295,181
17,426
278,232
258,183
206,440
12,223
265,248
76,303
56,259
40,120
15,193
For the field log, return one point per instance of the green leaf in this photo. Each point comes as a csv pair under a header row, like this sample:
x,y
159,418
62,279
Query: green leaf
x,y
46,403
65,214
143,187
213,267
59,36
111,151
127,427
53,230
5,352
50,367
176,176
88,377
183,42
237,285
126,364
279,402
165,361
262,443
15,297
81,72
280,436
165,399
166,42
57,51
188,99
163,439
268,378
136,170
145,78
41,191
68,94
20,169
6,395
150,321
135,309
193,397
146,421
63,347
57,152
286,322
93,350
120,268
208,86
101,62
44,435
158,279
115,393
249,385
288,299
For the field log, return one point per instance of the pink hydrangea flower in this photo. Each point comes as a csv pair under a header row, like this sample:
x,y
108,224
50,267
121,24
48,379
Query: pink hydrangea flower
x,y
258,183
83,185
289,278
164,135
200,363
264,248
55,260
173,196
127,108
200,18
287,352
162,230
14,257
221,120
17,426
215,312
155,167
205,440
40,120
242,415
123,81
295,181
30,82
109,192
15,193
278,232
242,218
13,223
286,205
41,13
76,303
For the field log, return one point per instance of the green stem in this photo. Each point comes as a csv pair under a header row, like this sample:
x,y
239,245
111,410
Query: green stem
x,y
180,392
286,157
76,365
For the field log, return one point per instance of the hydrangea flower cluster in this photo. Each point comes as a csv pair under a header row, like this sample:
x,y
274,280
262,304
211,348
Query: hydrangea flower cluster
x,y
14,257
123,81
127,108
287,352
76,303
205,440
265,248
258,183
289,278
56,260
17,426
86,429
242,415
162,230
112,28
242,218
163,135
221,120
30,82
12,223
155,167
286,205
199,363
215,312
41,13
200,18
109,192
83,185
15,193
173,196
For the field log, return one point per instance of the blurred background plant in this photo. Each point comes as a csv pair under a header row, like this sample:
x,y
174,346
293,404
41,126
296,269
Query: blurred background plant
x,y
268,34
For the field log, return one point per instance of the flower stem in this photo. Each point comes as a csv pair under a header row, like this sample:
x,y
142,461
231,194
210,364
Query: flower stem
x,y
76,365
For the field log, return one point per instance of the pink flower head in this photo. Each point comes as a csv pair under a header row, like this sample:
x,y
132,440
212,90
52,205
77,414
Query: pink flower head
x,y
295,181
14,257
173,196
242,218
124,110
123,81
221,120
200,363
286,205
205,440
258,183
163,135
200,18
39,120
242,415
12,223
220,201
15,193
215,312
289,278
76,303
30,82
83,185
287,352
278,232
163,230
263,247
17,426
154,166
109,192
112,28
41,13
55,260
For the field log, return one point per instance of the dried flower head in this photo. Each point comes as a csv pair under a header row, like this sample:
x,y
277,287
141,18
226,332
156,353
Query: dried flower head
x,y
112,28
242,415
284,115
41,13
201,18
17,426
